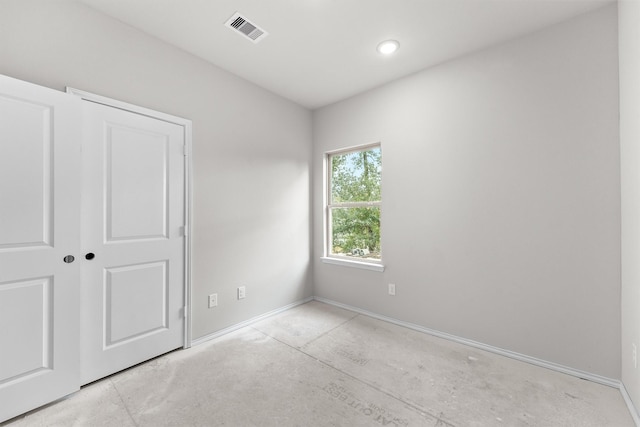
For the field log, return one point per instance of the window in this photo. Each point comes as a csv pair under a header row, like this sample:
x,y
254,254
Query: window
x,y
353,204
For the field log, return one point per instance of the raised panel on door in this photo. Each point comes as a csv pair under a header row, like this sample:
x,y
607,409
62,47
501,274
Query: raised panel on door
x,y
39,226
141,290
26,197
28,303
136,184
133,214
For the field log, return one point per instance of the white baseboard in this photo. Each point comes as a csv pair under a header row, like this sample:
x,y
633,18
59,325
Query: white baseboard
x,y
511,354
632,409
249,322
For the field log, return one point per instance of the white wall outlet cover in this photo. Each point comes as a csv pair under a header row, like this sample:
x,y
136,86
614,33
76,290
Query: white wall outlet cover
x,y
213,300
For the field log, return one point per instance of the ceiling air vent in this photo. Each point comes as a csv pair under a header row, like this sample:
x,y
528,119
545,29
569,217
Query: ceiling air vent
x,y
242,25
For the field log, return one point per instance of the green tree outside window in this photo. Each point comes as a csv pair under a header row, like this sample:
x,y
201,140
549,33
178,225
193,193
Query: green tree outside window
x,y
354,203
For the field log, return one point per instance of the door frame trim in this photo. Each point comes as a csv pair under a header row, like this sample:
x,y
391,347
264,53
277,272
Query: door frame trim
x,y
188,190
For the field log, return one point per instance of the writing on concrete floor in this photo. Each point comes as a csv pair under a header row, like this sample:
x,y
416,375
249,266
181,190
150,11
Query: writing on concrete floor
x,y
358,360
377,413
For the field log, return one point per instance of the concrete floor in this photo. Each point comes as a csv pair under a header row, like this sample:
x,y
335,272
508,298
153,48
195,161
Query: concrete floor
x,y
319,365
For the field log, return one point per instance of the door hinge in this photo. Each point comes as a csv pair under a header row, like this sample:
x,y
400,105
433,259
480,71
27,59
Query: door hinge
x,y
184,311
185,151
185,230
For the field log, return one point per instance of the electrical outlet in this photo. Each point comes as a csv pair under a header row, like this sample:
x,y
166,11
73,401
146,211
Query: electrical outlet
x,y
241,292
392,289
634,355
213,300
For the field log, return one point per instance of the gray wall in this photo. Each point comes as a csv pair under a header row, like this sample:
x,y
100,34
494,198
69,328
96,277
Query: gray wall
x,y
501,196
629,46
251,149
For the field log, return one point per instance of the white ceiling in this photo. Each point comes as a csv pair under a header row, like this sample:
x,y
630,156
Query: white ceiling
x,y
321,51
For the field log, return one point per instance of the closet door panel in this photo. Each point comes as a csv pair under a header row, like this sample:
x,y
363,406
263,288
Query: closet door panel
x,y
39,230
133,213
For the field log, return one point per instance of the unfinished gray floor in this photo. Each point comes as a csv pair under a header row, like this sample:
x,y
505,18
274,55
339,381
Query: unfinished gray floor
x,y
318,365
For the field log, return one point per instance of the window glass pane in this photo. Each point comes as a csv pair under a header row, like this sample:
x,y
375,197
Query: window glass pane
x,y
356,232
355,176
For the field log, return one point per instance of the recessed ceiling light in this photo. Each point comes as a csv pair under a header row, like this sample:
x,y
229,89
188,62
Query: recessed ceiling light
x,y
387,47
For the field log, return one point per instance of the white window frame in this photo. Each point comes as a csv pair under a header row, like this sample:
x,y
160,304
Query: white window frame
x,y
329,258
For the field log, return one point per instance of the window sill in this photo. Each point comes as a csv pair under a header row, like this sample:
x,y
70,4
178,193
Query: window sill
x,y
353,263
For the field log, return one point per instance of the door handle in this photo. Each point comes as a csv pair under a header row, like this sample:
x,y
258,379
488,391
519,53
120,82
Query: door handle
x,y
89,256
69,259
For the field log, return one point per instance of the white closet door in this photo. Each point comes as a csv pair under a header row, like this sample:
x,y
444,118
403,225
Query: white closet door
x,y
133,210
39,227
